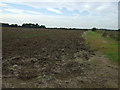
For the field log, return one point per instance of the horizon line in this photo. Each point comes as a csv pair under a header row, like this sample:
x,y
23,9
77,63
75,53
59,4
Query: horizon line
x,y
59,26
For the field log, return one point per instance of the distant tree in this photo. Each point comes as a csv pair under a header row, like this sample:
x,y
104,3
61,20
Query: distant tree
x,y
37,25
27,25
24,25
13,25
94,29
0,24
5,25
30,25
42,26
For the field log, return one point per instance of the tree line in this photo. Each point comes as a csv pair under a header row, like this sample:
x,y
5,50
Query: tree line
x,y
25,25
31,25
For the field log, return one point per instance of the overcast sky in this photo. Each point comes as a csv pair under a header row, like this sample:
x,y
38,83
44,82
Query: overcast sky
x,y
66,13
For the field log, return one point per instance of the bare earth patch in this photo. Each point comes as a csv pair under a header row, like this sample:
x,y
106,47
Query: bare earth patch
x,y
55,59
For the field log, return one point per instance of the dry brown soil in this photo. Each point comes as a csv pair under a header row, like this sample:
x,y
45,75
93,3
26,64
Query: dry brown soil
x,y
43,58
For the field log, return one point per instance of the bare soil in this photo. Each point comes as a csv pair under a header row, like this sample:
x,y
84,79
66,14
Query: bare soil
x,y
43,58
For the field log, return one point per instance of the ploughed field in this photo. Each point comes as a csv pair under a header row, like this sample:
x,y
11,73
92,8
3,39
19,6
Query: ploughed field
x,y
40,58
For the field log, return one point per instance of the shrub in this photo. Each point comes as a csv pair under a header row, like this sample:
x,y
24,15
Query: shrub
x,y
94,29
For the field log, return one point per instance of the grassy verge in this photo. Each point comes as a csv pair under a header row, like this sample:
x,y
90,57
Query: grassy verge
x,y
108,46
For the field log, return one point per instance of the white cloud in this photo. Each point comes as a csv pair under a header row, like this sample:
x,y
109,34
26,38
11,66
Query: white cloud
x,y
2,4
92,7
12,10
63,21
101,14
61,1
32,12
54,10
8,8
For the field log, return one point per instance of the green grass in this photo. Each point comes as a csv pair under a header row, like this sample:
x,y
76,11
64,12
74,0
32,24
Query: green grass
x,y
108,46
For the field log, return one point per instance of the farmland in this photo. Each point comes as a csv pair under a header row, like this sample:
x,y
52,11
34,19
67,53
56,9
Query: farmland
x,y
49,58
